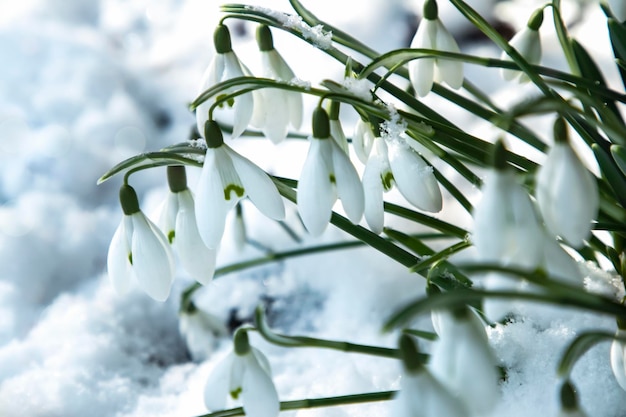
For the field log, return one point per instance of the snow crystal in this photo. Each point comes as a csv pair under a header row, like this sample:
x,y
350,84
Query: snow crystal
x,y
359,87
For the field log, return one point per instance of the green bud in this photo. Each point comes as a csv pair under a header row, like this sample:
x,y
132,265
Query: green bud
x,y
536,19
213,134
241,342
569,399
321,124
221,40
430,10
264,38
498,157
409,354
177,178
129,200
561,135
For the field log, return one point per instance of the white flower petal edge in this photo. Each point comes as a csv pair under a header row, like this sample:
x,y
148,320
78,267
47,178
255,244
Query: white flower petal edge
x,y
618,363
316,194
527,42
217,387
447,70
118,263
422,70
258,393
362,140
349,187
153,261
373,189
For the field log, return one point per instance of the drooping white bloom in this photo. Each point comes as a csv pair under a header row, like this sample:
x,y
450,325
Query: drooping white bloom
x,y
618,359
432,34
567,194
226,178
139,251
463,361
422,395
178,222
362,140
275,109
618,7
336,132
200,330
224,66
403,167
244,374
527,43
327,174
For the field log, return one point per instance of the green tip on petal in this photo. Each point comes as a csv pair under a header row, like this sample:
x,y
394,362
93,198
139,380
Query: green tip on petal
x,y
430,10
536,19
321,124
409,354
264,38
213,134
498,157
569,399
221,39
561,134
129,200
177,178
241,342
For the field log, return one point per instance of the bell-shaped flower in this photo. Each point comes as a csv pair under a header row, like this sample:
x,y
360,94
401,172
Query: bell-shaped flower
x,y
200,330
226,178
224,66
327,174
178,222
432,34
618,356
567,193
463,361
139,251
421,394
275,109
244,373
618,8
336,130
527,43
363,140
397,164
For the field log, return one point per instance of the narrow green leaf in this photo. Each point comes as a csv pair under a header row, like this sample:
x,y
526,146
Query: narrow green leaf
x,y
614,176
578,348
619,156
617,34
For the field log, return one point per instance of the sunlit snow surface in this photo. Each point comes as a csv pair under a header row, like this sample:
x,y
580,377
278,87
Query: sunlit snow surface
x,y
84,84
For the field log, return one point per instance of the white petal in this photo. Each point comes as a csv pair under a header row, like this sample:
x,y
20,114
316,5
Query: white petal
x,y
212,75
528,44
618,366
244,104
167,218
274,114
259,396
414,178
429,398
211,207
258,186
336,132
217,385
349,187
450,71
373,190
559,264
281,71
422,70
153,261
316,195
118,264
362,140
197,259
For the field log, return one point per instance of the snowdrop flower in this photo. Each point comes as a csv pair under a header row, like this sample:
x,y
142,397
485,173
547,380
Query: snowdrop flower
x,y
140,251
421,395
336,130
226,178
224,66
569,402
397,164
327,174
464,362
200,330
244,372
528,44
567,193
276,108
178,222
618,8
363,140
618,356
432,34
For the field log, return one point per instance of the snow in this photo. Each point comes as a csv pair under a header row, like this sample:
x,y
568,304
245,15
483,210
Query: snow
x,y
86,84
